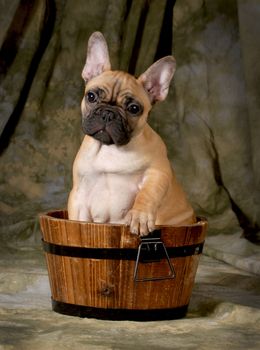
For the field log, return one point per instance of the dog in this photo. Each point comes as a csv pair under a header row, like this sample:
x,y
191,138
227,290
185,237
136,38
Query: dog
x,y
121,174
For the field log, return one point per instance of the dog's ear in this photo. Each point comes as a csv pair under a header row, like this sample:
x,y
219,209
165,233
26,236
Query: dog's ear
x,y
156,79
97,57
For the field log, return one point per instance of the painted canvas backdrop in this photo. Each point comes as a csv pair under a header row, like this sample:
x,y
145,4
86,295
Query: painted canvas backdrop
x,y
210,120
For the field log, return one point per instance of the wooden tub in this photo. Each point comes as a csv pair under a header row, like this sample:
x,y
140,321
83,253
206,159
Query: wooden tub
x,y
104,271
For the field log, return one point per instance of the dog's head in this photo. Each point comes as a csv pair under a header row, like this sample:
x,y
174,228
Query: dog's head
x,y
116,104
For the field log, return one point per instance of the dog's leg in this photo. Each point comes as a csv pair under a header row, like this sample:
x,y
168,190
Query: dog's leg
x,y
141,218
77,207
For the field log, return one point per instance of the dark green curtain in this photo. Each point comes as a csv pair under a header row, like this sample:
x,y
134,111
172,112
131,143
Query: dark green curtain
x,y
210,121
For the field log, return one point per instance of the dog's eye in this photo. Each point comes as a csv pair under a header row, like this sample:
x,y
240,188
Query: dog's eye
x,y
133,108
92,97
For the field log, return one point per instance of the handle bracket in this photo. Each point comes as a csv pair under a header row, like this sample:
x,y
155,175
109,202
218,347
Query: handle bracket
x,y
152,249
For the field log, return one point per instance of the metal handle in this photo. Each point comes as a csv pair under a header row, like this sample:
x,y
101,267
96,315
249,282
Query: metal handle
x,y
152,249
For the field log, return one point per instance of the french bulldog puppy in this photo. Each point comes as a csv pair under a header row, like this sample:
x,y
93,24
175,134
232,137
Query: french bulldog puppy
x,y
121,173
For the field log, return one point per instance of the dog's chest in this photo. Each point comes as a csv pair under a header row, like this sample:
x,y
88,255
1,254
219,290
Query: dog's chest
x,y
109,182
111,161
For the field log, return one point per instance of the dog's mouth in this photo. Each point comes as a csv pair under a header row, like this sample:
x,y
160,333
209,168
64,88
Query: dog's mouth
x,y
103,136
108,125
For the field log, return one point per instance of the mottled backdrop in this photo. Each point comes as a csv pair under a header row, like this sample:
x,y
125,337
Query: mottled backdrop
x,y
210,121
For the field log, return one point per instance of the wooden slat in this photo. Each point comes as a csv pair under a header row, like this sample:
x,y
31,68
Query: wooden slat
x,y
109,283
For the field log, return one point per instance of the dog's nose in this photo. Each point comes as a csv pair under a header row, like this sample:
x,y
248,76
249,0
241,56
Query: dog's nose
x,y
108,115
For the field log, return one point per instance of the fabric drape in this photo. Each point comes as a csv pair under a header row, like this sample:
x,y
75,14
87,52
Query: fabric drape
x,y
210,120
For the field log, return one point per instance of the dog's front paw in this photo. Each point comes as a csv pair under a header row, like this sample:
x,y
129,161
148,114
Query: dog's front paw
x,y
140,222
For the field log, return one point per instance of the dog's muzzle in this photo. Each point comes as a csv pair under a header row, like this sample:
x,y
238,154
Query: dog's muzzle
x,y
107,124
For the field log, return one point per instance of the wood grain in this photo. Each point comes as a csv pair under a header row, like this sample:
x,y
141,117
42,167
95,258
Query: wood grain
x,y
108,283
